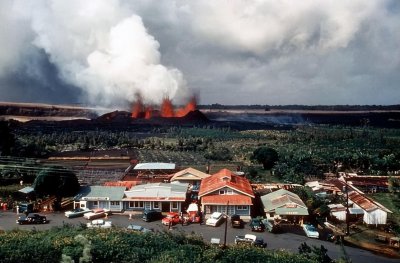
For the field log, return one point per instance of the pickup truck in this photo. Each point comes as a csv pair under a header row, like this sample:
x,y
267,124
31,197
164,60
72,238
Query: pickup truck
x,y
252,240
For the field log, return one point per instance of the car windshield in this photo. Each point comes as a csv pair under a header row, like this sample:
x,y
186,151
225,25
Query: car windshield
x,y
311,228
216,215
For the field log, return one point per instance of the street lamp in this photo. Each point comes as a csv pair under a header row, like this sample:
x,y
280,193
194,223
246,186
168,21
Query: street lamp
x,y
346,188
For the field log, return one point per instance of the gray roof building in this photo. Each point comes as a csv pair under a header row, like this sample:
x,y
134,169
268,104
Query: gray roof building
x,y
110,193
158,192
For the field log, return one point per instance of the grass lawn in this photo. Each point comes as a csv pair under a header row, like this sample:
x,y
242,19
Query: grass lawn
x,y
391,202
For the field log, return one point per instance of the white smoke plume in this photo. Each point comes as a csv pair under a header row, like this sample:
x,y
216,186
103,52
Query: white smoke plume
x,y
104,49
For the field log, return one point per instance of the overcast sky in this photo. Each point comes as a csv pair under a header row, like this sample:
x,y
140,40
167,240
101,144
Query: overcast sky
x,y
104,53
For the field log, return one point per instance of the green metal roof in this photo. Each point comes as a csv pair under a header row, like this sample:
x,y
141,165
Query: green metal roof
x,y
284,201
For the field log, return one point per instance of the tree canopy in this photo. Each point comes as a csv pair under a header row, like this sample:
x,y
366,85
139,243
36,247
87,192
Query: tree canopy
x,y
56,180
7,139
266,156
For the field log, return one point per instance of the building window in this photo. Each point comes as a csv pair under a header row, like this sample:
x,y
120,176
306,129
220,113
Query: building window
x,y
114,202
221,192
136,204
95,203
229,192
241,207
156,205
174,205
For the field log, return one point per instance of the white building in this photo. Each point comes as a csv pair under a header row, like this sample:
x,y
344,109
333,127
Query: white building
x,y
163,197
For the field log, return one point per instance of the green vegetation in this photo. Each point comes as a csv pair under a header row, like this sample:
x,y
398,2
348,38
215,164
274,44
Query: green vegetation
x,y
305,152
68,243
392,202
266,156
57,181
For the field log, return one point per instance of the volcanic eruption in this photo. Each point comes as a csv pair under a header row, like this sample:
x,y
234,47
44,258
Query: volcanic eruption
x,y
166,109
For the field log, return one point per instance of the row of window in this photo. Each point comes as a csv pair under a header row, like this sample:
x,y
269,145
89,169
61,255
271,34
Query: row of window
x,y
137,204
96,203
226,192
156,205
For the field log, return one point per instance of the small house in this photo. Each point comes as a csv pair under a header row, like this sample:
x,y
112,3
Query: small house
x,y
226,192
191,176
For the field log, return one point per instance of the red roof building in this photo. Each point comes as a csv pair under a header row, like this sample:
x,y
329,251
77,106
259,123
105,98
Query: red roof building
x,y
226,192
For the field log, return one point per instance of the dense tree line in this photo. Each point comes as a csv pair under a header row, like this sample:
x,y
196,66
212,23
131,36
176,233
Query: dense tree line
x,y
67,243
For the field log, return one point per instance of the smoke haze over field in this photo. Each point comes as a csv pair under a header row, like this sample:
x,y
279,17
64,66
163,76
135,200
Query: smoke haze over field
x,y
230,52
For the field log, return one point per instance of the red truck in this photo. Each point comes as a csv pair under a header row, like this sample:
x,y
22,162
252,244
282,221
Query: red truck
x,y
171,218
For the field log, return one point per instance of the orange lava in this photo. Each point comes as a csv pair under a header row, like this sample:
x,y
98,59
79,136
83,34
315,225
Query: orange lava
x,y
167,109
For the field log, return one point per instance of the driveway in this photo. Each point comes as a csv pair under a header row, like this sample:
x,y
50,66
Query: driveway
x,y
284,241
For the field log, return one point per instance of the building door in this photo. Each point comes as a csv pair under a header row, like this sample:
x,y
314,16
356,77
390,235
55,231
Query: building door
x,y
165,207
231,210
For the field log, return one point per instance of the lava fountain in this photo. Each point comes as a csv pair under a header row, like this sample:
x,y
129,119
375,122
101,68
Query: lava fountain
x,y
166,109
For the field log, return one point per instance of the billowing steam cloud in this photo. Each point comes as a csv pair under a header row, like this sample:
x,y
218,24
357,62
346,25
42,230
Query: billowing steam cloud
x,y
103,49
103,52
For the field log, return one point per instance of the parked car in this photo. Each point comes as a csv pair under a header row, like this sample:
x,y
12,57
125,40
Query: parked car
x,y
31,219
310,231
77,212
97,213
171,218
99,223
138,228
257,225
151,215
270,226
215,219
236,221
250,239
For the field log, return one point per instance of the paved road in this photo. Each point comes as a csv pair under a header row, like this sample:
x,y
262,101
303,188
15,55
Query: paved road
x,y
286,241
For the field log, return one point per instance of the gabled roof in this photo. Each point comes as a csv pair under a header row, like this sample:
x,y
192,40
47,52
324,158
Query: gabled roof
x,y
281,199
158,191
189,174
112,193
366,203
357,196
154,166
225,178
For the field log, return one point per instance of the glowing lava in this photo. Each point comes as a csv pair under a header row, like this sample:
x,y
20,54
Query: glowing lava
x,y
167,110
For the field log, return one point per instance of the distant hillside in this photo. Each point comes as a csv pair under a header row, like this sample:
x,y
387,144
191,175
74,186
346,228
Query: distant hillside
x,y
304,107
45,110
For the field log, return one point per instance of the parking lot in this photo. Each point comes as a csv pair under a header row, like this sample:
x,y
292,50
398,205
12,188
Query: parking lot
x,y
286,241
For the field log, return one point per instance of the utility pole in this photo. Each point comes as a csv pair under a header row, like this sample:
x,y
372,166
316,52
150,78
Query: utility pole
x,y
346,188
226,223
